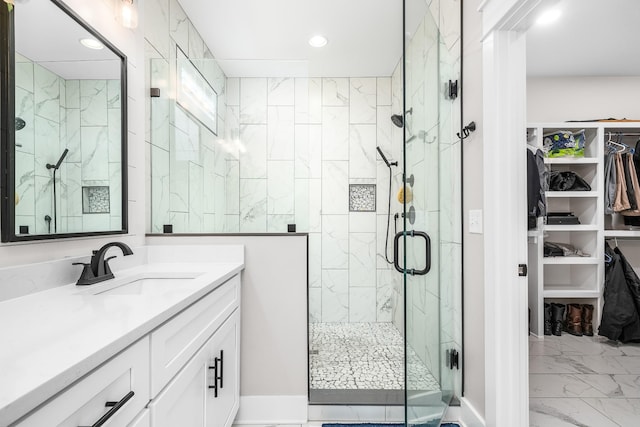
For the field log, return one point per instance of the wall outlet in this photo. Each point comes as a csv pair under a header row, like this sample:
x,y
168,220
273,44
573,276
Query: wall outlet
x,y
475,221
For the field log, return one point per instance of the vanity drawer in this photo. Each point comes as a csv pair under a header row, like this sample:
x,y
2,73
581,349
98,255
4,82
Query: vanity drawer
x,y
175,342
84,403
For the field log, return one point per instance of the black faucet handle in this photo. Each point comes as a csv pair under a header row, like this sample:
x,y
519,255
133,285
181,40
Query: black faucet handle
x,y
107,269
87,276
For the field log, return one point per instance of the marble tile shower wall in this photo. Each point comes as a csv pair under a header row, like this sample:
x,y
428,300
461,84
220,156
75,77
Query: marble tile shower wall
x,y
305,142
83,116
188,161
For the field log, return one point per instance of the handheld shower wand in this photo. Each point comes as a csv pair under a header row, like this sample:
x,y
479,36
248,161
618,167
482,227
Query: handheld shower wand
x,y
55,202
384,158
386,240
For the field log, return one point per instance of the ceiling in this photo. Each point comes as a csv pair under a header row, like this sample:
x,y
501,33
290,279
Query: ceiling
x,y
269,38
591,38
55,45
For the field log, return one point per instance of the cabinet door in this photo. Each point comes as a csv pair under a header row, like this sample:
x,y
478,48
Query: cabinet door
x,y
188,399
117,391
142,420
221,410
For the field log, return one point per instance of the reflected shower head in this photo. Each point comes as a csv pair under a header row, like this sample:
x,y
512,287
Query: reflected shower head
x,y
398,119
20,123
57,165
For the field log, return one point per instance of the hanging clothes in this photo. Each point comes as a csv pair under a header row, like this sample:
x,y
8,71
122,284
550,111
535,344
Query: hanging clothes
x,y
609,182
620,319
622,199
628,178
536,186
636,186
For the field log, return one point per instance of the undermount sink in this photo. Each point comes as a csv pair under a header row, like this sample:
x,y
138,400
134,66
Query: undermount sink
x,y
139,283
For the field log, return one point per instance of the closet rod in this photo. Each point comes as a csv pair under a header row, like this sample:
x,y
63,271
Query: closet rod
x,y
624,133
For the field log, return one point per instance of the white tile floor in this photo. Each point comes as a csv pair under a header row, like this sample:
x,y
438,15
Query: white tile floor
x,y
583,381
363,356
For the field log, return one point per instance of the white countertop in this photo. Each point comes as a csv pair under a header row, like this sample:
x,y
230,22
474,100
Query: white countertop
x,y
50,339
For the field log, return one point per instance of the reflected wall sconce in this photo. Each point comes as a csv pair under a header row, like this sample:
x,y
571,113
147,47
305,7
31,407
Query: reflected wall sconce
x,y
126,13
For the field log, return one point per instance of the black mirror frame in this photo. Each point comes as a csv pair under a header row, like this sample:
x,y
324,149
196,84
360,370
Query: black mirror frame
x,y
7,128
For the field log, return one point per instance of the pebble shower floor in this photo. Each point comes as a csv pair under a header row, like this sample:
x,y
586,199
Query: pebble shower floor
x,y
363,356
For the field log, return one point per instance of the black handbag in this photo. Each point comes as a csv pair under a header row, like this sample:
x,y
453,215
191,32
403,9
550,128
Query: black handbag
x,y
567,181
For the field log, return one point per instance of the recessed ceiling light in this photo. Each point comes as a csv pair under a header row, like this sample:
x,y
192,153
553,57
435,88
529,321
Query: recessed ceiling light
x,y
318,41
91,43
548,17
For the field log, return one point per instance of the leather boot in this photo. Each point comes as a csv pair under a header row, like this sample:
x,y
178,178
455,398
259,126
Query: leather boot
x,y
557,318
573,324
547,318
587,319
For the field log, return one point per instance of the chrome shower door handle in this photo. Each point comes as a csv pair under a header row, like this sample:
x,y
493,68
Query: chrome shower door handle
x,y
396,260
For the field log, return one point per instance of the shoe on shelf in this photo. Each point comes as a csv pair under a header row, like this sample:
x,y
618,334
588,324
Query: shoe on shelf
x,y
587,320
547,318
557,318
573,323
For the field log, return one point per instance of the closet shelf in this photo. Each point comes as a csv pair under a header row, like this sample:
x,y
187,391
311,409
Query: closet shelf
x,y
572,227
570,293
558,194
570,260
570,160
622,233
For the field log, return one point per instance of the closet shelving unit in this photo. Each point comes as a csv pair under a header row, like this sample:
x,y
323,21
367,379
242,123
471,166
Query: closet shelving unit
x,y
576,279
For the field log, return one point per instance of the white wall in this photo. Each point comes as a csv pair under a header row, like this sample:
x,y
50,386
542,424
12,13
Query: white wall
x,y
274,315
557,99
473,248
99,14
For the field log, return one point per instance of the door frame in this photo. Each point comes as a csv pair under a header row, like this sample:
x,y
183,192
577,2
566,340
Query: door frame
x,y
504,24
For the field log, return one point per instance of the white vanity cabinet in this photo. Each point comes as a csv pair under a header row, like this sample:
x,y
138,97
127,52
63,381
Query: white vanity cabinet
x,y
206,391
183,372
123,382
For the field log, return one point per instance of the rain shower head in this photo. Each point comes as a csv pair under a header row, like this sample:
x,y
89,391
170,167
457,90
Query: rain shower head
x,y
398,119
20,123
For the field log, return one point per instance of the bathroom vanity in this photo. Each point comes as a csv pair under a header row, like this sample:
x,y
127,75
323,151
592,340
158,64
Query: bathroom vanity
x,y
156,346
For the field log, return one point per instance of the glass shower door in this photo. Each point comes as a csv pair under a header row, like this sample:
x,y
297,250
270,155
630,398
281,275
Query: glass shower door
x,y
431,236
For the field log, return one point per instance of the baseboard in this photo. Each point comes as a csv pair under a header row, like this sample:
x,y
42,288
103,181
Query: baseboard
x,y
470,415
453,415
270,410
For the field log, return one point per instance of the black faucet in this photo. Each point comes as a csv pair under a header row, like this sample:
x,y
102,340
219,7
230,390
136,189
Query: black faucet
x,y
98,269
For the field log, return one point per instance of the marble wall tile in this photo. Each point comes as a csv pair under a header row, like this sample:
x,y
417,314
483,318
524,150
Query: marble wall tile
x,y
46,90
196,192
281,187
47,133
232,187
335,133
232,224
362,151
72,94
72,190
24,74
114,135
362,100
93,103
278,223
362,260
280,133
301,204
281,91
233,91
308,100
159,188
115,189
315,305
196,46
383,91
384,132
308,151
25,184
253,205
335,295
113,94
161,106
180,221
381,262
335,92
362,222
210,223
315,253
253,101
24,108
315,205
219,196
156,25
73,139
96,222
43,204
335,242
178,174
335,187
384,294
178,25
362,304
253,154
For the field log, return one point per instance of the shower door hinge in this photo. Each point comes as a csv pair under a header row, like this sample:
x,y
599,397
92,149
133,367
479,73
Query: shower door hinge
x,y
452,89
453,358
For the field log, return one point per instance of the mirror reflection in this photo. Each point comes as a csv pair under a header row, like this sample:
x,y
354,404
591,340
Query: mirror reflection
x,y
68,125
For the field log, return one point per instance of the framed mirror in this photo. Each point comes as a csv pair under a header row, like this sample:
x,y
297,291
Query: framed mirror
x,y
64,125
